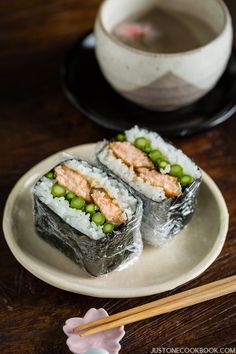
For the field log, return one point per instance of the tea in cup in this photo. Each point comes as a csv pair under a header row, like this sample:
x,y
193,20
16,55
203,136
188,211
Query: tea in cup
x,y
163,55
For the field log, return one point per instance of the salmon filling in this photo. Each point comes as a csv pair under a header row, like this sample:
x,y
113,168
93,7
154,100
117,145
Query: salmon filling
x,y
109,207
144,168
130,155
169,184
73,181
79,185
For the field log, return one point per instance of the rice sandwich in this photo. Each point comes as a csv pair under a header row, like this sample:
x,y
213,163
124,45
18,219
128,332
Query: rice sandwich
x,y
164,178
91,217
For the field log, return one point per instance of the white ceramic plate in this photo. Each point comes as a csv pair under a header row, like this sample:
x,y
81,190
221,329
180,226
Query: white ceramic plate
x,y
158,269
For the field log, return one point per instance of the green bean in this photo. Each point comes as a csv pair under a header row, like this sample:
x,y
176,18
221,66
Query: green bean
x,y
50,175
77,203
176,171
147,149
141,143
91,208
98,219
186,180
108,228
58,190
155,155
163,163
70,196
121,137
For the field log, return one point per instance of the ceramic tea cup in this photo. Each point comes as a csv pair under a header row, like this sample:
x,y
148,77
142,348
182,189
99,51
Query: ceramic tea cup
x,y
161,81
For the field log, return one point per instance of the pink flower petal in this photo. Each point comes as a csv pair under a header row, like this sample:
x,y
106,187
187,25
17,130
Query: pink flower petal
x,y
71,324
76,344
94,314
107,340
134,30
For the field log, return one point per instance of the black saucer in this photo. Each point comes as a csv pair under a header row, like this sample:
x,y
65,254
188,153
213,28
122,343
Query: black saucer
x,y
90,93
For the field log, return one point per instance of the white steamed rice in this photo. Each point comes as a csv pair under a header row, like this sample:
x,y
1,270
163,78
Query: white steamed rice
x,y
174,156
77,218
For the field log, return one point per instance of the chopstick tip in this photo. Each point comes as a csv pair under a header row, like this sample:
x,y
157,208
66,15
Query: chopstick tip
x,y
76,330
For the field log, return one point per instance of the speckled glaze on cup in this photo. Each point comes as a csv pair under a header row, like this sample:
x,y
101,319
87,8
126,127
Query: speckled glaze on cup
x,y
163,81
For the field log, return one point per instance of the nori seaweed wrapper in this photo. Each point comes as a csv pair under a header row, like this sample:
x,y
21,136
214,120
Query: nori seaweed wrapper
x,y
116,250
163,220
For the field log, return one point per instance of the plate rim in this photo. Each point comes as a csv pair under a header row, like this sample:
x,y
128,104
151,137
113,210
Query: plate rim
x,y
66,284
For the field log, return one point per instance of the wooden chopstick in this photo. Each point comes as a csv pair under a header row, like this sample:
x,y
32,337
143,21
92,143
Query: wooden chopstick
x,y
168,304
147,306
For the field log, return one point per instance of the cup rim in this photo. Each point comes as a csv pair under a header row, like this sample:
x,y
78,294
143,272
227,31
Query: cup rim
x,y
227,21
